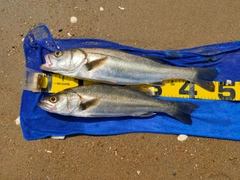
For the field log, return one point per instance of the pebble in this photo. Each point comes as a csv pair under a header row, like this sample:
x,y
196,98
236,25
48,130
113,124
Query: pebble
x,y
101,9
182,137
232,158
73,19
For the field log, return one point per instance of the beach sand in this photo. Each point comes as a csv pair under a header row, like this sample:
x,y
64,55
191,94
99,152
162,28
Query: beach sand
x,y
155,24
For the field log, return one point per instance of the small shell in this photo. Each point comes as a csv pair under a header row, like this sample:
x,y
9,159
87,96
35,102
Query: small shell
x,y
17,121
48,151
228,82
58,137
73,19
182,137
121,8
101,9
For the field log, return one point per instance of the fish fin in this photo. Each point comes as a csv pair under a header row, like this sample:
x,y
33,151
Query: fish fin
x,y
204,78
142,88
182,112
160,83
96,63
159,60
89,104
148,114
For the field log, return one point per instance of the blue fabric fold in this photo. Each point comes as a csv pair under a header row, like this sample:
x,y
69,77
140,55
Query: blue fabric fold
x,y
214,119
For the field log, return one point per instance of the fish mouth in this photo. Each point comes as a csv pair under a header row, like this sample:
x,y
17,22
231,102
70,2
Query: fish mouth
x,y
46,106
48,62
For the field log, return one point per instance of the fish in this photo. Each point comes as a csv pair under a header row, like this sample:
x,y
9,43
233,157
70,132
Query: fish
x,y
102,100
118,67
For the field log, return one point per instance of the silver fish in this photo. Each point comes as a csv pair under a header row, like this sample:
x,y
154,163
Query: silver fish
x,y
116,67
113,101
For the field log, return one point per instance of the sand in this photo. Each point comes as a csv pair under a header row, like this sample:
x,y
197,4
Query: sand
x,y
145,24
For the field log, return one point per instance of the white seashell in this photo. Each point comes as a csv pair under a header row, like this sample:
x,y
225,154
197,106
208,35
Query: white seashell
x,y
58,137
182,137
228,82
17,121
73,19
120,7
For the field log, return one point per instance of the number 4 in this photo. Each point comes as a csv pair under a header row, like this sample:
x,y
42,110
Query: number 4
x,y
190,92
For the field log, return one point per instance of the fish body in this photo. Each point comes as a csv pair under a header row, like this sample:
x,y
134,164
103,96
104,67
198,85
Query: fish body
x,y
116,67
113,101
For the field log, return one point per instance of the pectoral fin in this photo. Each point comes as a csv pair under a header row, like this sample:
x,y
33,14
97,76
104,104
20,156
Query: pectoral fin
x,y
89,104
96,63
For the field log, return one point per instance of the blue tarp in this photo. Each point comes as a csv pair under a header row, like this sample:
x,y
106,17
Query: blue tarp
x,y
214,119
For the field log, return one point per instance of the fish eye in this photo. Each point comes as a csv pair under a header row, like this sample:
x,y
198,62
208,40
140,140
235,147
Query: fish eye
x,y
58,54
53,99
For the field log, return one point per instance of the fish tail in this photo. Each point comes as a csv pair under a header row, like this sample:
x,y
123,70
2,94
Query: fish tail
x,y
182,111
204,78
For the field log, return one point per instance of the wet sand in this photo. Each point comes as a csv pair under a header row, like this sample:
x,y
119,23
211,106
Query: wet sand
x,y
144,24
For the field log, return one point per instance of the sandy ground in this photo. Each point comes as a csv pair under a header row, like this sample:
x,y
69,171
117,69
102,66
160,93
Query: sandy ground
x,y
165,24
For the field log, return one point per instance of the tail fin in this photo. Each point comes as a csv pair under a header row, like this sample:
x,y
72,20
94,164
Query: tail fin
x,y
204,78
182,112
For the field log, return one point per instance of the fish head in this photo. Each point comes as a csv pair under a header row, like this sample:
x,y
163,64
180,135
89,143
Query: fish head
x,y
63,62
60,103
